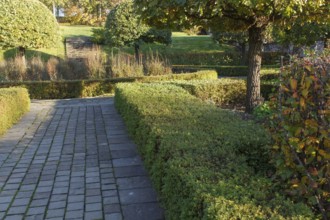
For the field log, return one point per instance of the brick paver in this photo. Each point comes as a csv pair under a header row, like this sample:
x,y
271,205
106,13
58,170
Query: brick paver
x,y
73,159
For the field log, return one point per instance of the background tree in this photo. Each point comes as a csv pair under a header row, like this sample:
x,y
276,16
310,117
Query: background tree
x,y
26,24
237,39
252,16
302,33
54,4
125,27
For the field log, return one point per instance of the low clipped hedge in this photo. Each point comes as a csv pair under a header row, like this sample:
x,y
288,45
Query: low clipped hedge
x,y
267,72
224,91
89,88
205,162
221,91
14,102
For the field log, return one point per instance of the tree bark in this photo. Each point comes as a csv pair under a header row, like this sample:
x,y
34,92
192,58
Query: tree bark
x,y
137,52
253,97
243,53
21,54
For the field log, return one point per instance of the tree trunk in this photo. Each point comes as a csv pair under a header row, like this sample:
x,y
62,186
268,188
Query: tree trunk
x,y
253,97
137,52
21,54
54,9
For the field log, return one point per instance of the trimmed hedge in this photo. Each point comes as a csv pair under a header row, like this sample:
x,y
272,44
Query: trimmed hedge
x,y
267,72
14,102
88,88
203,58
205,162
219,58
221,91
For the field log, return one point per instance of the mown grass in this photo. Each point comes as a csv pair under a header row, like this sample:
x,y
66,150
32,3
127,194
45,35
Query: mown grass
x,y
76,31
181,43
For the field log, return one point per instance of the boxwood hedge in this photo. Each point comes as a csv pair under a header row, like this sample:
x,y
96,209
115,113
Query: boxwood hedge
x,y
221,92
88,88
205,162
14,102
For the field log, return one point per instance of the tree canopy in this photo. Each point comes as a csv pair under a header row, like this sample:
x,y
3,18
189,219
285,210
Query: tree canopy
x,y
252,16
26,24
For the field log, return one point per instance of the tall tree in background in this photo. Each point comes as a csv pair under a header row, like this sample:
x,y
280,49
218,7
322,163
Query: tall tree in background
x,y
303,34
54,4
125,27
252,16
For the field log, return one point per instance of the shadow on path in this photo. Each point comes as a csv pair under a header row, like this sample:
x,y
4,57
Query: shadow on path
x,y
73,159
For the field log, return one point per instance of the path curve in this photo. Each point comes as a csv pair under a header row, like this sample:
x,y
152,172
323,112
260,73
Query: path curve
x,y
73,159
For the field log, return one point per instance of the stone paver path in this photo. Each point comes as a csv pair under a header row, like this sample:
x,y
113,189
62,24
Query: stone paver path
x,y
73,159
78,47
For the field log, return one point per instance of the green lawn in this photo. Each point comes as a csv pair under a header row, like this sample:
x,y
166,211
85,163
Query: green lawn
x,y
76,30
181,43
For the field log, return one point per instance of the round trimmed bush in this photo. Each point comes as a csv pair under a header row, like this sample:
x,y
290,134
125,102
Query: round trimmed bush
x,y
27,24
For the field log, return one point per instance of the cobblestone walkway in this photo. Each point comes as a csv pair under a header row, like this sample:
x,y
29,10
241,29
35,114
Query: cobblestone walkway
x,y
72,159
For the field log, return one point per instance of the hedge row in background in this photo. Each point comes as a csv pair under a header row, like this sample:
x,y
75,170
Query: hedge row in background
x,y
14,102
267,72
209,164
220,92
88,88
218,58
224,91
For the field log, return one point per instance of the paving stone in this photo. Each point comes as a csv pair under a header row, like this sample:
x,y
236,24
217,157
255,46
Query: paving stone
x,y
130,171
57,205
95,215
112,208
4,206
75,206
16,210
131,196
21,202
123,153
93,207
150,211
38,202
14,217
51,213
113,216
36,210
75,161
93,199
134,182
74,214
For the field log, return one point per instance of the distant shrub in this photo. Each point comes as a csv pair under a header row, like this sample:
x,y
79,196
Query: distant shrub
x,y
98,35
14,102
203,58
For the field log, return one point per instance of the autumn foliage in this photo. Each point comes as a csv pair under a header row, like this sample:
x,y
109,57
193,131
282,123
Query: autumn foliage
x,y
300,129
